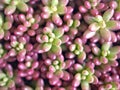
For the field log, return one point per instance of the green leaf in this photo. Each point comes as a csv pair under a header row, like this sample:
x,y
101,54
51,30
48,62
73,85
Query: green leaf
x,y
57,41
108,14
61,9
79,47
112,57
94,27
2,75
98,18
81,57
76,23
63,2
1,33
113,25
58,32
56,49
106,46
7,25
85,85
23,7
105,34
89,19
70,22
90,79
46,47
10,9
115,50
54,2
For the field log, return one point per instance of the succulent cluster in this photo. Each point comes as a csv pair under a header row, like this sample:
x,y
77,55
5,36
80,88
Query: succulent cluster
x,y
59,44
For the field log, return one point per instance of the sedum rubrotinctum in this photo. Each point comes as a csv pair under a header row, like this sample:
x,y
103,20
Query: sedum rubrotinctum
x,y
17,49
103,25
12,5
4,25
109,86
6,77
94,3
83,76
107,52
56,69
78,49
73,25
54,8
50,39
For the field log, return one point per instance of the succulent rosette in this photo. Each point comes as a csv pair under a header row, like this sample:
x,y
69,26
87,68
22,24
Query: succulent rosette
x,y
13,5
50,40
56,70
83,76
54,8
4,26
103,25
78,49
7,77
106,54
72,25
109,86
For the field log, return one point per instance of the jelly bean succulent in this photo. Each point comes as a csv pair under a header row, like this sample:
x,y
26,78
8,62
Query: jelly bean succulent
x,y
50,39
52,7
102,25
6,77
78,49
94,3
56,69
83,76
4,26
59,44
30,67
106,53
73,25
109,86
12,5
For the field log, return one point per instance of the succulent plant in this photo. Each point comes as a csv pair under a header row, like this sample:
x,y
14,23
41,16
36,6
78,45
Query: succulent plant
x,y
109,86
101,25
59,44
54,7
83,76
107,53
4,26
50,39
78,49
6,77
12,5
